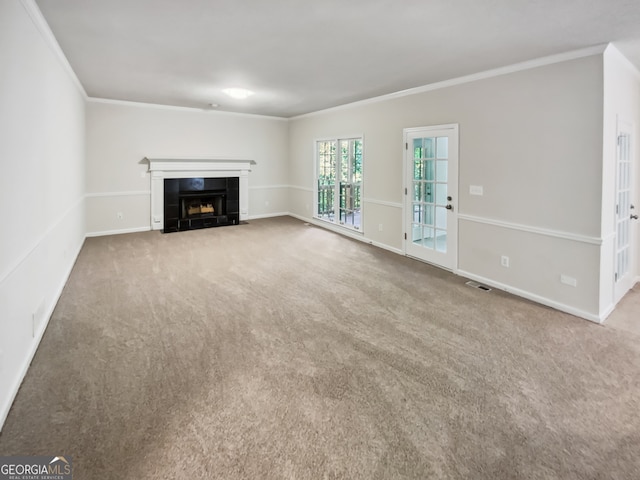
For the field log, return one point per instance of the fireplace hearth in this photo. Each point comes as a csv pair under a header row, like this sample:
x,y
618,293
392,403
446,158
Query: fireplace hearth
x,y
192,203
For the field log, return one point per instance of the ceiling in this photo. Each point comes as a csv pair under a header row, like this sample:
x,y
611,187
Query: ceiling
x,y
302,56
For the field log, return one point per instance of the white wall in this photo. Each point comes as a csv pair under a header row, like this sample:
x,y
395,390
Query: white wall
x,y
120,135
621,103
41,185
532,139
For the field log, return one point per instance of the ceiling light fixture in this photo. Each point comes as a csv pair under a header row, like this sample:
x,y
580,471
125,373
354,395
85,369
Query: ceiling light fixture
x,y
239,93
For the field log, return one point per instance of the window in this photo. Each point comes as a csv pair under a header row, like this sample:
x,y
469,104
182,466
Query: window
x,y
339,180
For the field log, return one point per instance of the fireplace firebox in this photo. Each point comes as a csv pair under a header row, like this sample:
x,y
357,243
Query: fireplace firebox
x,y
191,203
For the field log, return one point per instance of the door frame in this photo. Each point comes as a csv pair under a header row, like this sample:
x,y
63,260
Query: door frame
x,y
405,189
622,286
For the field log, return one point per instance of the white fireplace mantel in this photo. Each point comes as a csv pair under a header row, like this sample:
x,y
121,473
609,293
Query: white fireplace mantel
x,y
210,167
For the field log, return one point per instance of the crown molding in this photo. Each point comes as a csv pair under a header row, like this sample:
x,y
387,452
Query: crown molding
x,y
613,51
47,35
129,103
496,72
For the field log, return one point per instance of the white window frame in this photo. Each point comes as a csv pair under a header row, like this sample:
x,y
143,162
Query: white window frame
x,y
336,218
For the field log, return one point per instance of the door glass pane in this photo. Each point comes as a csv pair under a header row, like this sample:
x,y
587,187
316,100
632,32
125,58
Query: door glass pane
x,y
620,235
441,241
441,193
441,217
441,171
417,191
428,239
429,167
442,147
429,192
429,148
417,169
416,234
417,213
428,214
417,148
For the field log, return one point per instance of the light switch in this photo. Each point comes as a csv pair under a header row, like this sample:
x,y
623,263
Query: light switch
x,y
476,189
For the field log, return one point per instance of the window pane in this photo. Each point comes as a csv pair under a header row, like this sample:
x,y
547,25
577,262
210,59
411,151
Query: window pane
x,y
339,181
357,161
326,178
326,163
344,161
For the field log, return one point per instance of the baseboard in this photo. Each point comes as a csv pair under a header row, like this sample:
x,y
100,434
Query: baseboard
x,y
533,297
606,312
267,215
118,232
13,391
347,233
609,310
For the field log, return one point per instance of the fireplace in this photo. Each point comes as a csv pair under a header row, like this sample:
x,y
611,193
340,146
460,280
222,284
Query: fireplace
x,y
192,203
185,190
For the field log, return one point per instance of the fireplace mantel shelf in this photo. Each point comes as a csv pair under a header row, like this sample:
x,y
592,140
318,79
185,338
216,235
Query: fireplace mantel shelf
x,y
197,164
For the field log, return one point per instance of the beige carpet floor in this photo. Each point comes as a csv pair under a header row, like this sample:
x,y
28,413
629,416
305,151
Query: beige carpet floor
x,y
626,315
277,350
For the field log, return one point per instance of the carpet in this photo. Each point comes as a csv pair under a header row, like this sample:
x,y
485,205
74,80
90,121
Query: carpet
x,y
279,350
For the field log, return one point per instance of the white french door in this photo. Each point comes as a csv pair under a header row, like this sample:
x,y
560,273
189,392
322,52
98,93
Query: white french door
x,y
431,191
625,212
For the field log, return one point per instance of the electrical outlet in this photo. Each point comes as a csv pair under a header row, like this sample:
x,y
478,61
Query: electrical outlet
x,y
476,190
119,215
567,280
379,227
504,261
266,203
308,207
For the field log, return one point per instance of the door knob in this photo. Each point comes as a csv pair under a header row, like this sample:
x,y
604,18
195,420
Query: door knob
x,y
634,217
450,207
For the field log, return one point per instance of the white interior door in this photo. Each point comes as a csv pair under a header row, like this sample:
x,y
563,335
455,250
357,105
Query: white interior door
x,y
625,212
431,191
